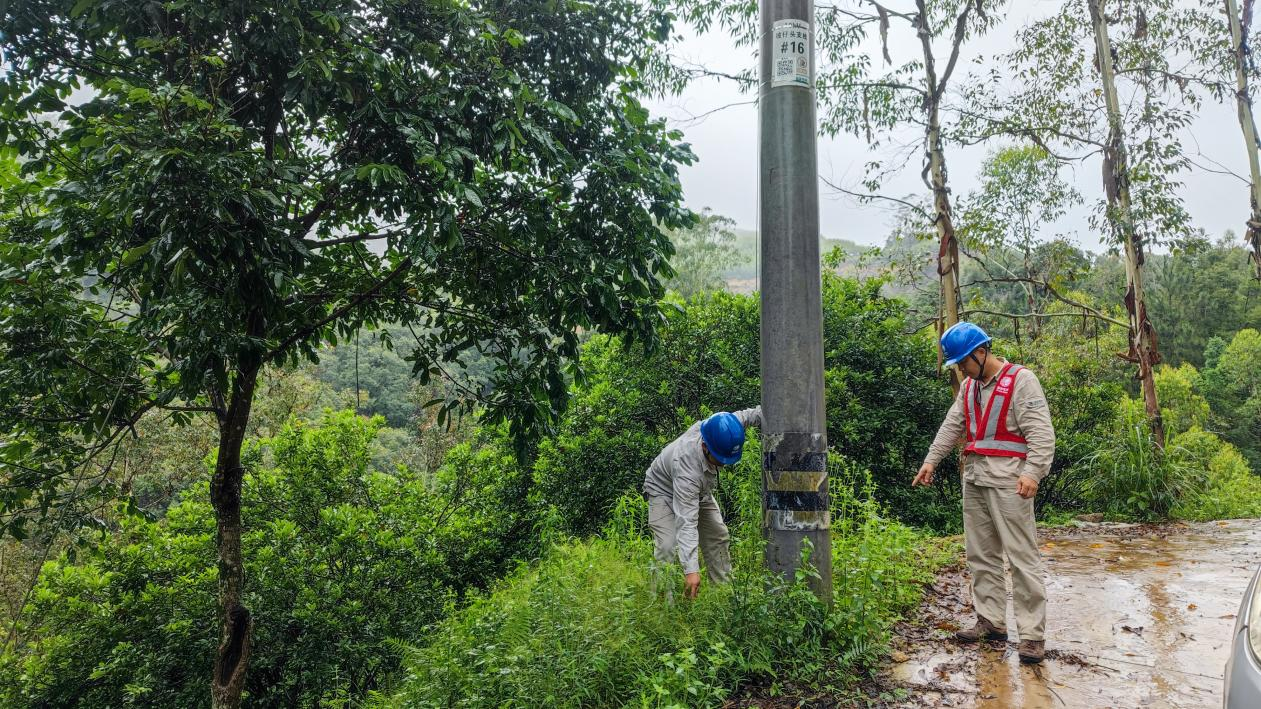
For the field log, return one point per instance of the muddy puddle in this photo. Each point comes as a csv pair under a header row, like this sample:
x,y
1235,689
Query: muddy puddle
x,y
1137,617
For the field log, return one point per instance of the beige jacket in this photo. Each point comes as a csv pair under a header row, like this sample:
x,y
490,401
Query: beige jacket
x,y
1028,416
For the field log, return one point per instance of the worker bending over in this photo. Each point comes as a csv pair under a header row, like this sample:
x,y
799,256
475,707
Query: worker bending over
x,y
1002,413
680,486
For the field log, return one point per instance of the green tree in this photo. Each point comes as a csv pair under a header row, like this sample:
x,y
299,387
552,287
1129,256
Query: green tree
x,y
702,253
231,162
1183,407
1232,385
1199,291
369,367
345,557
1021,192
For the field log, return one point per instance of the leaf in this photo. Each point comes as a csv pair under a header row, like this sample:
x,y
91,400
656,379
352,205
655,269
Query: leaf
x,y
133,255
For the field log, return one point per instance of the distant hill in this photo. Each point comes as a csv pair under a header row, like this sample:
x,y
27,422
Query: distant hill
x,y
742,278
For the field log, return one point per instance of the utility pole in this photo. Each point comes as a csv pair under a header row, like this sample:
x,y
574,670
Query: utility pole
x,y
794,462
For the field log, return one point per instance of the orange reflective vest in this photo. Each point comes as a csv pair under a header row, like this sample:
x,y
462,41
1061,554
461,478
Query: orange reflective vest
x,y
987,432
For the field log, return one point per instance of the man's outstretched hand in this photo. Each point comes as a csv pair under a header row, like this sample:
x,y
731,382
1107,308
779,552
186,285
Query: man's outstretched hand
x,y
924,476
692,585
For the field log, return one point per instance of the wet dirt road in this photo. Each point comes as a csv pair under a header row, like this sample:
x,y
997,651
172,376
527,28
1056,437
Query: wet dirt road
x,y
1137,617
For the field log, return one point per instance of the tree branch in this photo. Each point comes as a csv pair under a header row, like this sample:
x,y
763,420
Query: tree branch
x,y
375,236
995,313
961,29
355,302
868,197
1093,312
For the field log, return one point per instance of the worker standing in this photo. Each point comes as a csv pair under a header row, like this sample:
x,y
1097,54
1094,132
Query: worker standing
x,y
1003,414
680,485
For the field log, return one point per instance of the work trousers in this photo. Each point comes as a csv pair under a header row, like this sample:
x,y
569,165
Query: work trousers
x,y
714,537
997,521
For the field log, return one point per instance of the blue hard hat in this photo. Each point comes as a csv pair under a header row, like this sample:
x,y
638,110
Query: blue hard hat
x,y
961,340
724,436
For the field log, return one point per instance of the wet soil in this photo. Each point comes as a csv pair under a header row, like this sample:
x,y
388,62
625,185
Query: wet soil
x,y
1138,616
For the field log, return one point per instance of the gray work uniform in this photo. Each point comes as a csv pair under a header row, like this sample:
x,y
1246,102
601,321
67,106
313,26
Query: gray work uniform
x,y
682,512
995,519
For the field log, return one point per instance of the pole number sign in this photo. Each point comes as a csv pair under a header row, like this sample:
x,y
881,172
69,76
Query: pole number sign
x,y
791,58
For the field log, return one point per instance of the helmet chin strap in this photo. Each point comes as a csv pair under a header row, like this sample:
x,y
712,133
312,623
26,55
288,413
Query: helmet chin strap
x,y
980,364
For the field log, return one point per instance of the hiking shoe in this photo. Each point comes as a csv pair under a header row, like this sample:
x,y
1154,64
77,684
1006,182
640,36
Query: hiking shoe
x,y
982,629
1031,651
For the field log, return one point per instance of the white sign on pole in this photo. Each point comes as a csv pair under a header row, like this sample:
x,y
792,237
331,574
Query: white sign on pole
x,y
792,62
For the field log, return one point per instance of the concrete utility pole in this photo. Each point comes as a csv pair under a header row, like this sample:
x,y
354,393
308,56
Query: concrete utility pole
x,y
794,463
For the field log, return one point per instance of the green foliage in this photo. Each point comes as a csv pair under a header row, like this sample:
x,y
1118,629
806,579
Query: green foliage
x,y
382,375
1084,384
1131,477
879,565
1229,489
587,625
634,402
341,558
1181,405
217,175
884,397
702,254
1200,291
884,400
1232,385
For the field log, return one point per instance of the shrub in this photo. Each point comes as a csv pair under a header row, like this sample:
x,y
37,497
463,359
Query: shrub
x,y
1131,476
340,559
884,400
588,625
1181,405
1226,489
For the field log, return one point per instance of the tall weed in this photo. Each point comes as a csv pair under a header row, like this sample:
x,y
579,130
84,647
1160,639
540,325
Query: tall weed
x,y
1132,477
588,625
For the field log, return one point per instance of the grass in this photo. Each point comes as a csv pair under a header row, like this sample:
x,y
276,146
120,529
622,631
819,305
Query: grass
x,y
590,625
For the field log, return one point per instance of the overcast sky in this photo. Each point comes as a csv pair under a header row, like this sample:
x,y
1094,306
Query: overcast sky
x,y
725,142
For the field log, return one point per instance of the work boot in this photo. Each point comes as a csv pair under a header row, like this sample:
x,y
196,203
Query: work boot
x,y
982,629
1031,651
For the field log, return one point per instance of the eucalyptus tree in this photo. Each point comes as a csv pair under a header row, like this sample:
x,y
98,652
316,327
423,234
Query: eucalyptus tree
x,y
215,172
1099,82
1245,71
1022,192
876,99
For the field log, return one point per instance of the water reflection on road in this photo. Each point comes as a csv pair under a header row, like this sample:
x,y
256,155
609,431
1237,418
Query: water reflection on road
x,y
1134,620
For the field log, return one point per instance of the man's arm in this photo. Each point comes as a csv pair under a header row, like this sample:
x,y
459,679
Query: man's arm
x,y
1033,417
948,434
750,417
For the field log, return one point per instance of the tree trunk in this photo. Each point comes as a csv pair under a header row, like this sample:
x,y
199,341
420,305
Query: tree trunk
x,y
948,247
1243,99
1116,185
236,625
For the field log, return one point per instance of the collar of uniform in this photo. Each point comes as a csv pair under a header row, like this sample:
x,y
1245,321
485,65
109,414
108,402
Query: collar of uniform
x,y
1002,363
